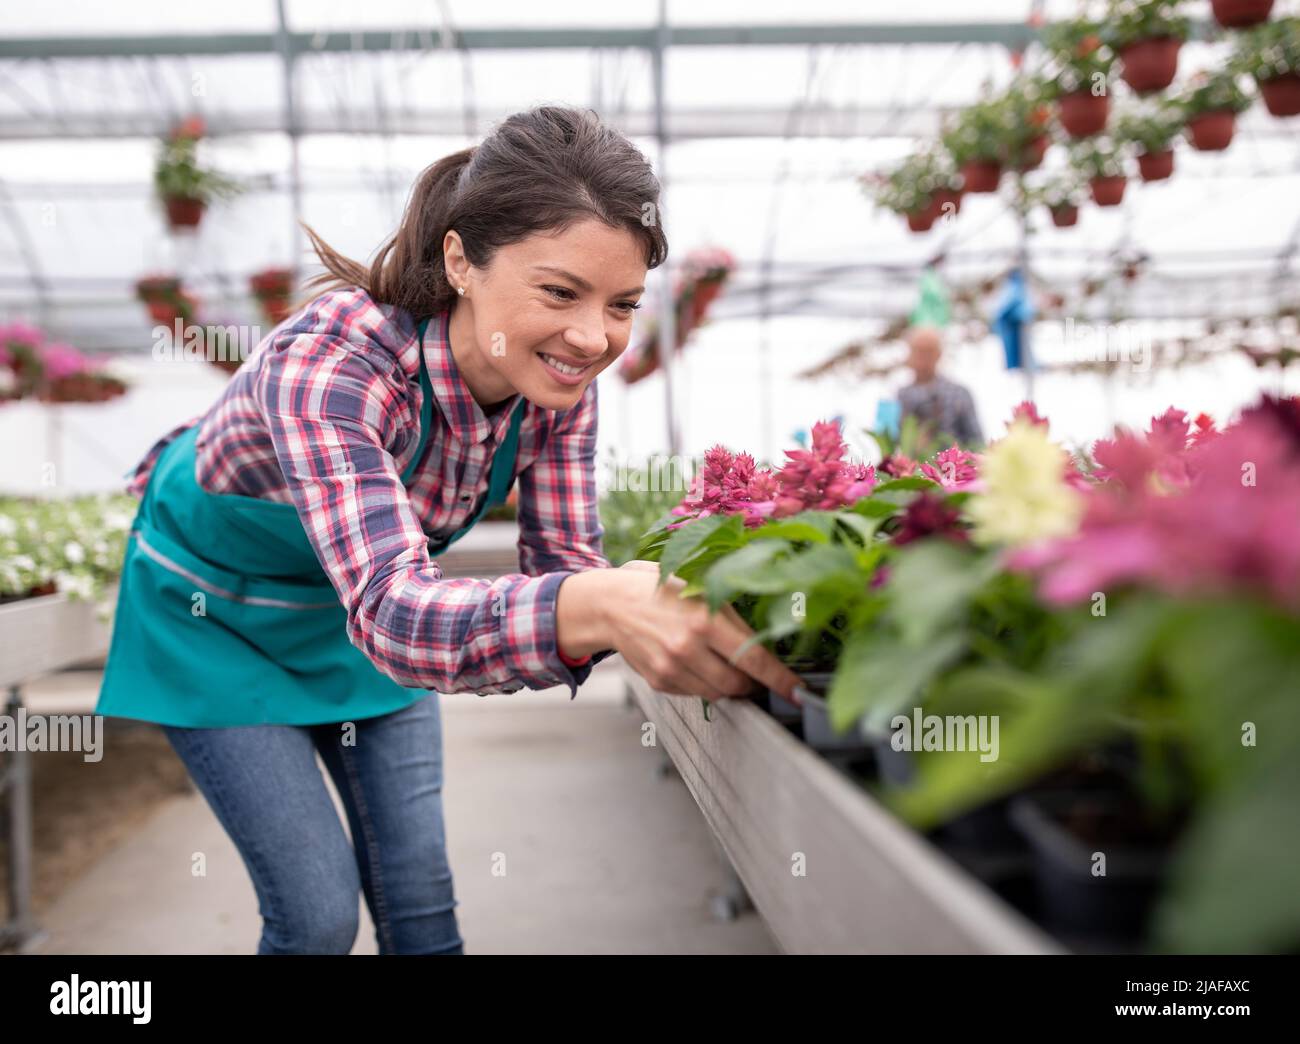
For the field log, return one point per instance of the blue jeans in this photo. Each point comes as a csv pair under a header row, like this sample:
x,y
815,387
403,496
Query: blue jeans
x,y
263,784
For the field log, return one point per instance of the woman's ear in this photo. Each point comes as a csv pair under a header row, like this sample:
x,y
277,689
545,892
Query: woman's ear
x,y
454,260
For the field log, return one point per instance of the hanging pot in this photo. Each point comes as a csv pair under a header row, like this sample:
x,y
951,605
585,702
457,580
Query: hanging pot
x,y
940,200
981,175
183,212
1282,94
1236,14
1032,153
1108,190
1064,217
1156,166
1212,131
1083,113
1151,64
921,220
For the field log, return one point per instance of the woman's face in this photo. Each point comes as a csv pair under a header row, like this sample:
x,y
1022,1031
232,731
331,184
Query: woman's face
x,y
557,299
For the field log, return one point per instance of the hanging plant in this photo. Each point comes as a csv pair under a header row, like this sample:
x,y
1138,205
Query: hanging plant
x,y
183,186
1079,70
1146,35
1101,163
166,299
273,288
1028,121
703,274
1151,131
1061,196
1270,55
1237,14
1210,109
978,140
923,188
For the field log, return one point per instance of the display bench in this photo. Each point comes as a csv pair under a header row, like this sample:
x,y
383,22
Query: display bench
x,y
828,867
37,636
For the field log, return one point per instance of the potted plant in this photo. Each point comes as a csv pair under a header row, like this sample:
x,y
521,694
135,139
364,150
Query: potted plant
x,y
920,188
1101,163
181,183
1061,198
166,299
1079,67
1028,123
977,141
1210,108
1151,130
1237,14
1270,54
1146,35
272,287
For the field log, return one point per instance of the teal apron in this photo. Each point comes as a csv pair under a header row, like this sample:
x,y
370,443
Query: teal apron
x,y
225,615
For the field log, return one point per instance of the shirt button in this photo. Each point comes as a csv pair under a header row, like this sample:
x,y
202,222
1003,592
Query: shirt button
x,y
465,496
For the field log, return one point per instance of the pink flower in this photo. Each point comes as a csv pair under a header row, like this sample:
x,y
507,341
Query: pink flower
x,y
1026,410
898,466
954,468
1234,523
62,360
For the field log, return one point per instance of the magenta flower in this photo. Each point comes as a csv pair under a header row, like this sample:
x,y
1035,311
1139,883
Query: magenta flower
x,y
62,360
810,478
1234,523
930,515
954,468
1027,411
898,466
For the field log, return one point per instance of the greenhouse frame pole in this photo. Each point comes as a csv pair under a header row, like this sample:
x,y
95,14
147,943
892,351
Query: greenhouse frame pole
x,y
292,129
667,305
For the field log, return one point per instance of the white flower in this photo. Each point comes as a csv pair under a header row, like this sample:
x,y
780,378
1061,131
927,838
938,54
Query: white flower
x,y
8,527
74,552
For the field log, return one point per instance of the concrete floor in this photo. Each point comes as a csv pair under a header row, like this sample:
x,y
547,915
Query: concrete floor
x,y
606,854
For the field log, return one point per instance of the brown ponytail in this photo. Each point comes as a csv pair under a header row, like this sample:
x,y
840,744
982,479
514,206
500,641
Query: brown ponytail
x,y
539,171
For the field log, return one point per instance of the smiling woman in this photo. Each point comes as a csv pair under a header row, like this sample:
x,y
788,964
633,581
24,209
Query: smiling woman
x,y
280,596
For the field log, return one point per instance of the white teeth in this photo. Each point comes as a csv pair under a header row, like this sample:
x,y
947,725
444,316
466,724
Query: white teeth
x,y
562,366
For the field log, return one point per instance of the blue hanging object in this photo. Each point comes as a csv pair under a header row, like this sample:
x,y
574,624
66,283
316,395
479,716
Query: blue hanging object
x,y
1014,311
800,435
889,416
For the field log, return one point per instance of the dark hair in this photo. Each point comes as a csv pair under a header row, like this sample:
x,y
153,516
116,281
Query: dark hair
x,y
540,170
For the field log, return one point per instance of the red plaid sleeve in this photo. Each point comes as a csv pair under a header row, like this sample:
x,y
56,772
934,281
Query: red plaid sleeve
x,y
337,413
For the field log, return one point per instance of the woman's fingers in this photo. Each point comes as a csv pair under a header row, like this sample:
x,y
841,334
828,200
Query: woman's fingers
x,y
731,634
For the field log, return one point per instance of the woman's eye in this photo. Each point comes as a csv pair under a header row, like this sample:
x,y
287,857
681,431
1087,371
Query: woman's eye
x,y
560,291
629,305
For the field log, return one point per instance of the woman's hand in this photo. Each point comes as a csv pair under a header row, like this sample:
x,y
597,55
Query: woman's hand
x,y
675,643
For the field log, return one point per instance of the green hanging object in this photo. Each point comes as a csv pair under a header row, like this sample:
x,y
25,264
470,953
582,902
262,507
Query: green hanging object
x,y
932,308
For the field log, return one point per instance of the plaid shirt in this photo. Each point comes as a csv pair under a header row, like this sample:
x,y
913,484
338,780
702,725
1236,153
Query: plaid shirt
x,y
325,414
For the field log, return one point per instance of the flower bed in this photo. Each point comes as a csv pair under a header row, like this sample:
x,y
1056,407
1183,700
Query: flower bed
x,y
1116,634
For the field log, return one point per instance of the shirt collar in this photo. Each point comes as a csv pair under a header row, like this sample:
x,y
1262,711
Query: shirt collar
x,y
468,422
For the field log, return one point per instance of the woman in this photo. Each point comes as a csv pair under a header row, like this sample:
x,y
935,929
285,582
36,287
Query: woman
x,y
280,595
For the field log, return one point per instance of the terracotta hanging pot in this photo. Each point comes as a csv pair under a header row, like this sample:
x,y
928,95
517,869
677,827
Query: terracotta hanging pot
x,y
1083,113
1156,166
183,212
1108,190
1236,14
1032,153
921,220
940,200
1064,217
1282,94
981,175
1151,64
1212,131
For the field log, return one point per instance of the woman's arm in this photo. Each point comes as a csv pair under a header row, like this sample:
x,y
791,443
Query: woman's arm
x,y
337,410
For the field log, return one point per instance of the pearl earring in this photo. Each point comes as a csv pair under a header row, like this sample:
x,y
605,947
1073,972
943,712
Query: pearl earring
x,y
460,290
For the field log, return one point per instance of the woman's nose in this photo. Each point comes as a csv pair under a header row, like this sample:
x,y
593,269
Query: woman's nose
x,y
588,336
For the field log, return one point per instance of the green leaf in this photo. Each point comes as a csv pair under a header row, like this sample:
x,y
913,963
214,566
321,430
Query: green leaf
x,y
746,569
687,541
909,482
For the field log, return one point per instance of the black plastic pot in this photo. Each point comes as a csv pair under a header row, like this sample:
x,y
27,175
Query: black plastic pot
x,y
815,713
1072,901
